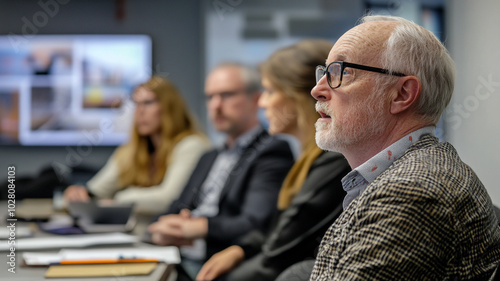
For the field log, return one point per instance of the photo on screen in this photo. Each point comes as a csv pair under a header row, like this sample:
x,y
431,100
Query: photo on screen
x,y
60,89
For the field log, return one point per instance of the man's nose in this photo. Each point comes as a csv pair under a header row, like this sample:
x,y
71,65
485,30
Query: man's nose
x,y
215,102
322,91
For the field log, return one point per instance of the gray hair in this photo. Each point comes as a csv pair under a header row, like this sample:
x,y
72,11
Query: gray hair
x,y
414,50
249,75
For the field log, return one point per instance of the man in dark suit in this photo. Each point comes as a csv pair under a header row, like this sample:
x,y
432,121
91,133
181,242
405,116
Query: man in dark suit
x,y
413,209
234,188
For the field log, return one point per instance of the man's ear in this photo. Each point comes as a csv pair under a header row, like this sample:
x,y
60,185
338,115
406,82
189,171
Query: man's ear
x,y
408,89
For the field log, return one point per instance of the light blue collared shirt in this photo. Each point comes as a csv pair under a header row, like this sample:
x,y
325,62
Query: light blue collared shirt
x,y
219,172
356,181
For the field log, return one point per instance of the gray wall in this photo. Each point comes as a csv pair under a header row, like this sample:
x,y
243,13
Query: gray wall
x,y
175,29
474,113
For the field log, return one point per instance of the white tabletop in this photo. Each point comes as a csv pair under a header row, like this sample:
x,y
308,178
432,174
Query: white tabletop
x,y
162,271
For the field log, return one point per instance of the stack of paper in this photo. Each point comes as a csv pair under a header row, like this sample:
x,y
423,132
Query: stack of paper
x,y
167,254
21,231
72,241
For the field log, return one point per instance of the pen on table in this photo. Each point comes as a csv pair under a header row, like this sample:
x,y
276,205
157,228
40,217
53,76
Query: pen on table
x,y
64,262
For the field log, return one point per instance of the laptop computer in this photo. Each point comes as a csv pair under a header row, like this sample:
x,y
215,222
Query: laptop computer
x,y
93,217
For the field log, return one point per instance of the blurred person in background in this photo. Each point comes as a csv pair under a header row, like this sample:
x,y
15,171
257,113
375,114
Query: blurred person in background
x,y
311,196
153,167
234,188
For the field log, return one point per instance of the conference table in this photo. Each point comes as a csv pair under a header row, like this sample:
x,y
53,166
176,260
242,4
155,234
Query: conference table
x,y
162,271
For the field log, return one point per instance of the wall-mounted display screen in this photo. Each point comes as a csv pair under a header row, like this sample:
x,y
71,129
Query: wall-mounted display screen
x,y
69,89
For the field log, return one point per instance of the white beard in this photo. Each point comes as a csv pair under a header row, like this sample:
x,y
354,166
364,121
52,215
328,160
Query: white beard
x,y
362,123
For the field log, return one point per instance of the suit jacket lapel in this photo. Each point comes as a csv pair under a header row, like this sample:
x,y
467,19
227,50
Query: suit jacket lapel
x,y
241,164
202,174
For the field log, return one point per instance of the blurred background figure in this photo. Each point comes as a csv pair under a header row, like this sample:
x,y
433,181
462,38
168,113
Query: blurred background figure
x,y
234,188
311,196
153,167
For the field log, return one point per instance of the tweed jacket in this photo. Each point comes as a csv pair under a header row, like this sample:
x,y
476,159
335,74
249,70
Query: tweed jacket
x,y
427,217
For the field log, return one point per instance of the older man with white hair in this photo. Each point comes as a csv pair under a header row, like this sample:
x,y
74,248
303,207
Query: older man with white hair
x,y
413,210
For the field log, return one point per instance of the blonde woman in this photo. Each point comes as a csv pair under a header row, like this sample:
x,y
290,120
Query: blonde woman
x,y
153,167
311,196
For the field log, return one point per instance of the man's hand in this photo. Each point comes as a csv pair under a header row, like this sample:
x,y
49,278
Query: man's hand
x,y
221,263
178,229
166,240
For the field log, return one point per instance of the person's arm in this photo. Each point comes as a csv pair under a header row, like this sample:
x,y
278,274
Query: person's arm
x,y
263,183
251,243
298,229
158,231
221,263
155,199
167,230
301,226
105,183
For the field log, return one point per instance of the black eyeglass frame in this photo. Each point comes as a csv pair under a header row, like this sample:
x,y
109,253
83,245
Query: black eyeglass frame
x,y
344,64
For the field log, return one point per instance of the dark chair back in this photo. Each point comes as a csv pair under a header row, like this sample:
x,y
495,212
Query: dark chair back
x,y
300,271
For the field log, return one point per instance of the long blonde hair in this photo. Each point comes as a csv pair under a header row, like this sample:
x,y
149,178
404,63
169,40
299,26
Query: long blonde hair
x,y
292,71
134,158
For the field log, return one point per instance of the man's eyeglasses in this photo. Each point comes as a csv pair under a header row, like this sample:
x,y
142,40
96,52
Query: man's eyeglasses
x,y
224,95
335,72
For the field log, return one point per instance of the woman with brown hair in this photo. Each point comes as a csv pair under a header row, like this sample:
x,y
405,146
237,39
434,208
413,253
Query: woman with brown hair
x,y
311,196
153,167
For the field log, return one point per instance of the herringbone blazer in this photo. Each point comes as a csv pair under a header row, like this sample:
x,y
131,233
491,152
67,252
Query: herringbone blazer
x,y
427,217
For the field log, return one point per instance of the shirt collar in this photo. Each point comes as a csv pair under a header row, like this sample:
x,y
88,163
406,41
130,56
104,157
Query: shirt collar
x,y
356,181
372,168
